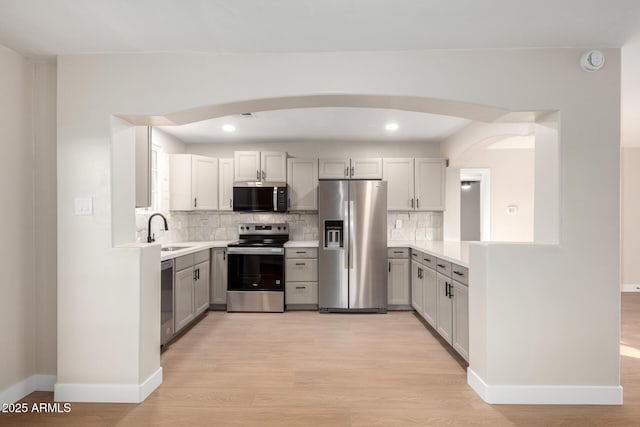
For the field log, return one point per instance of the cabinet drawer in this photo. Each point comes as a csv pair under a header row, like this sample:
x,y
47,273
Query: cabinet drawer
x,y
397,252
428,260
302,253
201,256
183,262
443,267
301,270
460,274
301,293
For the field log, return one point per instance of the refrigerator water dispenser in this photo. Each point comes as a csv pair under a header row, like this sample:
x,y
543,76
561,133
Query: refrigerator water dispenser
x,y
333,232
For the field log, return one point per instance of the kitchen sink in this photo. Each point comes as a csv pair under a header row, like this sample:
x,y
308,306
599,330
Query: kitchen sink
x,y
174,248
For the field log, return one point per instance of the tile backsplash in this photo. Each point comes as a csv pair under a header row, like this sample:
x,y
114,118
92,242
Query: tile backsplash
x,y
195,226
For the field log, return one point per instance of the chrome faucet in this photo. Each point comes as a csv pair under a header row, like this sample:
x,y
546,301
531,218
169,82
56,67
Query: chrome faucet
x,y
151,237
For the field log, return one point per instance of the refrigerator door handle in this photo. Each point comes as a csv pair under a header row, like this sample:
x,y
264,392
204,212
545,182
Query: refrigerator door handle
x,y
345,235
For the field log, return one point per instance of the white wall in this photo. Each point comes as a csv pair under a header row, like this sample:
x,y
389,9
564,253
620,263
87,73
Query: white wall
x,y
46,260
17,252
28,252
519,281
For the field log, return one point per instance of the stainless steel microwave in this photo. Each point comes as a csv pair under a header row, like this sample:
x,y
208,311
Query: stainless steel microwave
x,y
260,196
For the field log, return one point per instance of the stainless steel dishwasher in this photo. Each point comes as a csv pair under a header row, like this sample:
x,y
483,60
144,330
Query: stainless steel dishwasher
x,y
166,301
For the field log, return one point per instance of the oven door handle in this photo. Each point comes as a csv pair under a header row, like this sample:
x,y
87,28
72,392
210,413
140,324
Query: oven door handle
x,y
255,251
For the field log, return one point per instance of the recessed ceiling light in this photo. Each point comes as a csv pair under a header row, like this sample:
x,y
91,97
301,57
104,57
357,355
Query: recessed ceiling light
x,y
391,126
229,128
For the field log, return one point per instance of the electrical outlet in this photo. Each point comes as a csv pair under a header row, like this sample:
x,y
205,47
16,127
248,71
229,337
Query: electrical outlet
x,y
398,223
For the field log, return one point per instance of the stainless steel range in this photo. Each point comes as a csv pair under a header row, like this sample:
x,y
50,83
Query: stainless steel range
x,y
256,268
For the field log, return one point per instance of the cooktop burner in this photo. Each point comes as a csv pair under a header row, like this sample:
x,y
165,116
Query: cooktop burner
x,y
262,235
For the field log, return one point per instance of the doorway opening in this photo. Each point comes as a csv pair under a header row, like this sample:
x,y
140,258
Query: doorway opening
x,y
475,215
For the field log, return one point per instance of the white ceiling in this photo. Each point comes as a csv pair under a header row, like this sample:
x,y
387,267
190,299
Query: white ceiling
x,y
53,27
319,124
46,28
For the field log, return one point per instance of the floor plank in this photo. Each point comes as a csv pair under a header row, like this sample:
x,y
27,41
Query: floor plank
x,y
310,369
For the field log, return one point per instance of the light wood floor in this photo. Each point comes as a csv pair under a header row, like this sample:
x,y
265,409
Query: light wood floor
x,y
310,369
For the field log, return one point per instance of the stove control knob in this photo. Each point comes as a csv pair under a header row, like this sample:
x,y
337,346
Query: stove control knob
x,y
278,227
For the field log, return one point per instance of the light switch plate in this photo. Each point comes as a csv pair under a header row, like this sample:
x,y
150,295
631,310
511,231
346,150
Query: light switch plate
x,y
512,209
83,206
398,223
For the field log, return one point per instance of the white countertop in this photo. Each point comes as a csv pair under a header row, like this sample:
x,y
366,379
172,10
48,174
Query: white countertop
x,y
456,252
191,247
301,244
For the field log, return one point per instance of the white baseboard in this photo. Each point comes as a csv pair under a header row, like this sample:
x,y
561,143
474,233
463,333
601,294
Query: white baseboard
x,y
544,394
112,393
26,387
630,287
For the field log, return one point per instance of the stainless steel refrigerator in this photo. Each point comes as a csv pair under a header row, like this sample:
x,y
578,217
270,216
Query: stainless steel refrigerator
x,y
352,258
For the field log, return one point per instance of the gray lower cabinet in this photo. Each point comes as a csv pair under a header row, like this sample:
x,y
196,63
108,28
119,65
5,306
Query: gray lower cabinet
x,y
218,299
429,296
444,323
440,294
201,287
191,294
461,319
183,299
416,286
453,306
398,281
301,278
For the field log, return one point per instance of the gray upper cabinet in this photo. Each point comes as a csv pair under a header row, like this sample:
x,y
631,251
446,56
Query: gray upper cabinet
x,y
430,176
225,191
260,166
302,178
398,172
415,184
361,168
143,166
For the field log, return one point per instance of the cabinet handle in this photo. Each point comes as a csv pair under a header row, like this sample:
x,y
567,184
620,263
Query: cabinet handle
x,y
258,175
426,259
195,202
301,263
419,273
195,276
346,171
230,203
450,291
224,255
440,265
411,203
458,273
301,287
417,203
414,254
289,202
398,252
446,289
301,252
353,171
264,175
389,267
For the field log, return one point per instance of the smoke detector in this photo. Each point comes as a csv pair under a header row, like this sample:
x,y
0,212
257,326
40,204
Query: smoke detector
x,y
592,61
